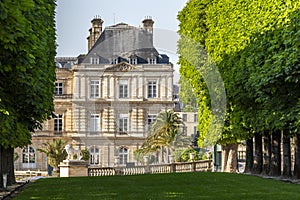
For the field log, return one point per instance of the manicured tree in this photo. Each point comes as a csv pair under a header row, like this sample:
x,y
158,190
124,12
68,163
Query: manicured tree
x,y
187,96
253,48
273,85
197,69
27,73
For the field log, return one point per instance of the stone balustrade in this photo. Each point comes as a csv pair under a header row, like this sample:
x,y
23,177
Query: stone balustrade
x,y
196,166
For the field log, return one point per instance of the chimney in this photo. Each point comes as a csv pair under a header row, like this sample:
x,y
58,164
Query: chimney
x,y
95,31
148,24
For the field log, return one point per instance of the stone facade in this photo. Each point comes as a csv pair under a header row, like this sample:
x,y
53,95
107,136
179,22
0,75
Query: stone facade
x,y
190,120
105,100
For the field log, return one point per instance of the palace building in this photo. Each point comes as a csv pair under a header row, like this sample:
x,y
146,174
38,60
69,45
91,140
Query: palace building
x,y
106,100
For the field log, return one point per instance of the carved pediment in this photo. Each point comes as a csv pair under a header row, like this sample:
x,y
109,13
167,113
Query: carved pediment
x,y
121,67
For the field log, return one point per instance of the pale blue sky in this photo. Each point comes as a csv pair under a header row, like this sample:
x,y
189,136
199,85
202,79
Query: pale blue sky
x,y
73,19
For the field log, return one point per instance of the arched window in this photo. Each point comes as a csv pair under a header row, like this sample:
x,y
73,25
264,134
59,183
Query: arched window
x,y
94,156
28,158
123,154
28,155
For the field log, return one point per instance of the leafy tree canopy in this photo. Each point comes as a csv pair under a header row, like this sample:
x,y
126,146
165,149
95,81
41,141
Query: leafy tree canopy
x,y
254,45
27,68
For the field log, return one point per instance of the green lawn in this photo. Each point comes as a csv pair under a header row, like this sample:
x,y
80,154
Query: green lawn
x,y
206,185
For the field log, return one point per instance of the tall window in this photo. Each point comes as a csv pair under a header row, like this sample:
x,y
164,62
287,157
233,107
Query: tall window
x,y
184,117
94,156
123,89
95,88
58,120
58,88
195,117
151,119
95,123
152,89
123,154
28,155
123,123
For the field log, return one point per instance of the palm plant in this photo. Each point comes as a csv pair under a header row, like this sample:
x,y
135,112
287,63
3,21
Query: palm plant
x,y
163,133
55,152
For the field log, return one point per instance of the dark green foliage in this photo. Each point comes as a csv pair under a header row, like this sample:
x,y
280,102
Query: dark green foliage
x,y
185,156
85,155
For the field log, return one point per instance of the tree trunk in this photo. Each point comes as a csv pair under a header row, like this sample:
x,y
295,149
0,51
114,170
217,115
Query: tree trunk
x,y
1,170
11,167
297,157
266,154
7,165
275,167
286,147
229,158
224,158
249,155
258,159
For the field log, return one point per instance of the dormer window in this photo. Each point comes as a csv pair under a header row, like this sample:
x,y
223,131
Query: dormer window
x,y
95,60
133,59
114,60
152,60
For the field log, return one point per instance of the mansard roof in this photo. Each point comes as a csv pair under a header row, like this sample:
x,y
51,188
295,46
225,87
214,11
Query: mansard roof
x,y
123,41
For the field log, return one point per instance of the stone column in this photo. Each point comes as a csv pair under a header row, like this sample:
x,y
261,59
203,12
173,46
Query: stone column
x,y
105,86
134,88
170,87
111,87
76,87
82,87
129,88
140,87
163,85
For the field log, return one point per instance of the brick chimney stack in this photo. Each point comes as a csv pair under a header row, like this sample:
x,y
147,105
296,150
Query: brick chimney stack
x,y
95,31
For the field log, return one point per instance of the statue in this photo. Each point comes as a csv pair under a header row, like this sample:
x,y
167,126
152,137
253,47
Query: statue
x,y
71,152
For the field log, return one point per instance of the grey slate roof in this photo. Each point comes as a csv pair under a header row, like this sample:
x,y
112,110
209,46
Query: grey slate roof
x,y
123,41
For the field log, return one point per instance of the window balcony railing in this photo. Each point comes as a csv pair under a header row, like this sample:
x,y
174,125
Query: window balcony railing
x,y
63,96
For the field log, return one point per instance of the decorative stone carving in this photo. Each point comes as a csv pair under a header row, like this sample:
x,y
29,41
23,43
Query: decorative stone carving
x,y
123,67
71,152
